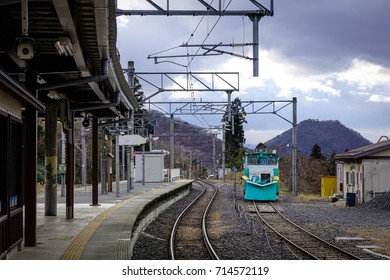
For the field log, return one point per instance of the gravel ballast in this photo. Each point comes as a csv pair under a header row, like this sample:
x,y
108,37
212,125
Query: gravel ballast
x,y
237,234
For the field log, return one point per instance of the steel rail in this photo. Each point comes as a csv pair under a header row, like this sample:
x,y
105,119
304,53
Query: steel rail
x,y
309,254
282,236
315,236
176,225
206,239
207,243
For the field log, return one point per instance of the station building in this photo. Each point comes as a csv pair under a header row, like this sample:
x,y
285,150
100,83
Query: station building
x,y
364,172
16,103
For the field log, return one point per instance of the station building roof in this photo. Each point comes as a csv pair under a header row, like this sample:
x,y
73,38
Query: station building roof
x,y
365,151
71,48
18,92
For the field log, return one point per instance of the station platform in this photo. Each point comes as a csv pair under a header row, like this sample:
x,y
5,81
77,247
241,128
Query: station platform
x,y
105,232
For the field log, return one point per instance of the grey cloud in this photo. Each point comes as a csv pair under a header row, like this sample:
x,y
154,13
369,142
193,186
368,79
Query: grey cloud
x,y
325,35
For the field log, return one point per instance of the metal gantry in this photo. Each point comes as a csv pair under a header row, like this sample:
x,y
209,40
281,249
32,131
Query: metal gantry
x,y
220,107
211,108
216,9
183,81
250,107
186,81
208,10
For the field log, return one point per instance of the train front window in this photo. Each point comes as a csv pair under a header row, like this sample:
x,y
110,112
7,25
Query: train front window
x,y
261,161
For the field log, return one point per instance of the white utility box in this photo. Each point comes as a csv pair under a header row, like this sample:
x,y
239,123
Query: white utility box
x,y
154,166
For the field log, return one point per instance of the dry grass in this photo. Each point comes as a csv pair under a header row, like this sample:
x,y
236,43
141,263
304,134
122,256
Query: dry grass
x,y
380,237
189,233
216,226
309,198
215,215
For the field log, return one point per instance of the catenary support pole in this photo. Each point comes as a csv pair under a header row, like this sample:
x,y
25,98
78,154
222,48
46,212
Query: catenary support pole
x,y
130,180
229,106
128,164
143,165
123,173
255,20
172,146
214,154
294,172
117,166
223,152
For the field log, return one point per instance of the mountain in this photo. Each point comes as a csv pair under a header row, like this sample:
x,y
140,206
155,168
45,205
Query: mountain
x,y
332,136
188,138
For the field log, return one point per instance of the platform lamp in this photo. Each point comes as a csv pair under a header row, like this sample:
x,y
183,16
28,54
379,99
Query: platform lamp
x,y
64,46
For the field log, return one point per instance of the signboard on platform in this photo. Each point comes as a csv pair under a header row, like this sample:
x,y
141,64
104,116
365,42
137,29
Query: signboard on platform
x,y
131,140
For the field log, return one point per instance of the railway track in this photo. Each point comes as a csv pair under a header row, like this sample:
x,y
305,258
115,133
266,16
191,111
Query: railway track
x,y
189,239
306,244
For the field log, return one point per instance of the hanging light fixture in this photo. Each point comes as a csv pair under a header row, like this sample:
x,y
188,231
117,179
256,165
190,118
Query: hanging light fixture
x,y
65,47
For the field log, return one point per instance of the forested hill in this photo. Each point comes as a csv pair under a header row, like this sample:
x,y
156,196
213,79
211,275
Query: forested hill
x,y
188,137
332,136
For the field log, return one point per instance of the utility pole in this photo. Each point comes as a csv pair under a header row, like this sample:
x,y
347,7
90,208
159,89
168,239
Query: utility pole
x,y
213,169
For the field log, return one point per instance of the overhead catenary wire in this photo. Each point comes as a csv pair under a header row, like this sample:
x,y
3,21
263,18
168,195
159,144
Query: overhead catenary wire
x,y
209,31
191,57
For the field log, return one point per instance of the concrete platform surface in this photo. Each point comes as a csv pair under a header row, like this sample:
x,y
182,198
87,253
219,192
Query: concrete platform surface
x,y
96,232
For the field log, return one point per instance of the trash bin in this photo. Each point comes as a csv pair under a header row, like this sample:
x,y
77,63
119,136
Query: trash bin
x,y
351,199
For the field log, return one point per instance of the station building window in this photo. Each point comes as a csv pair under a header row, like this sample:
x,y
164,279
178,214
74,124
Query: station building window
x,y
15,163
10,163
3,162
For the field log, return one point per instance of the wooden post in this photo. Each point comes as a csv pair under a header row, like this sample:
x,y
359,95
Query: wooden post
x,y
70,167
95,172
51,160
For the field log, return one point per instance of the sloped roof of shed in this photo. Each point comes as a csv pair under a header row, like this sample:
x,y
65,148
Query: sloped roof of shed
x,y
365,151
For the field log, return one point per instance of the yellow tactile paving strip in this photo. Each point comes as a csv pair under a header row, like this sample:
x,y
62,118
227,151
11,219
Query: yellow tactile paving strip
x,y
76,248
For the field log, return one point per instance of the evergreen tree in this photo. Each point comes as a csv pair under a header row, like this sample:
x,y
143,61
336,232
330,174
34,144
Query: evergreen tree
x,y
138,91
140,114
234,135
261,147
316,152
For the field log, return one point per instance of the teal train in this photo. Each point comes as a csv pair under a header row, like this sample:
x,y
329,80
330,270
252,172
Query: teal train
x,y
261,176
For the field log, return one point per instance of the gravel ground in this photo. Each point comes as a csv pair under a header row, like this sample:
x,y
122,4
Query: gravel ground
x,y
236,233
369,221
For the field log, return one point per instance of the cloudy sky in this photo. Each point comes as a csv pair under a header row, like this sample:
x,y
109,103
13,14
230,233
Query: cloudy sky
x,y
333,56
